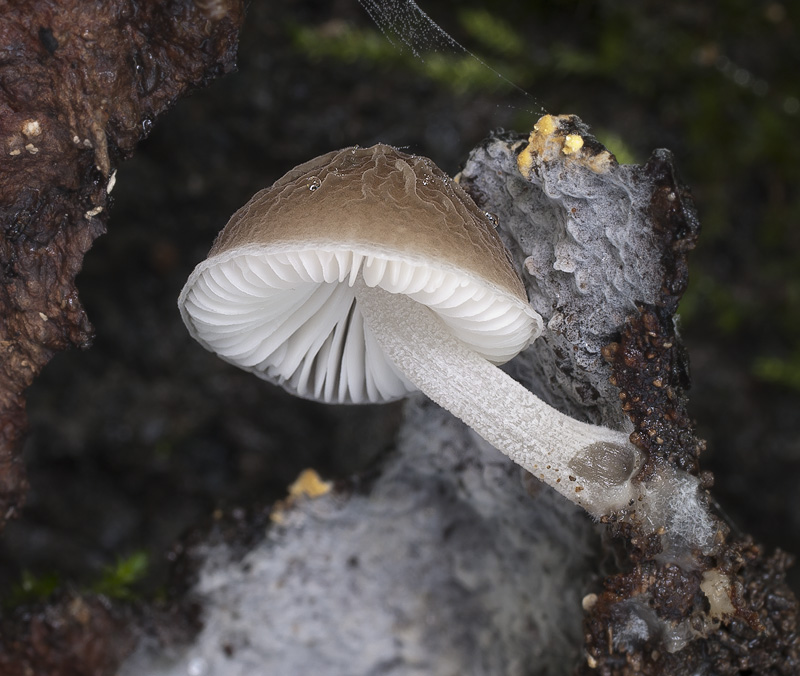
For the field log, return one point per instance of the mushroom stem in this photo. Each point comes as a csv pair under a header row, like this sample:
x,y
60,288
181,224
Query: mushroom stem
x,y
590,465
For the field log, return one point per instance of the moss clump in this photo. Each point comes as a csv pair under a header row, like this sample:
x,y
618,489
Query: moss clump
x,y
118,580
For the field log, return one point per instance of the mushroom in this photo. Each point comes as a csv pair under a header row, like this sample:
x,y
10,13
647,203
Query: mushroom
x,y
366,274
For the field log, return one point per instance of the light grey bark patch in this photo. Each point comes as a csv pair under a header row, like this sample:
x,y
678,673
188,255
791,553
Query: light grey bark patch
x,y
446,565
583,244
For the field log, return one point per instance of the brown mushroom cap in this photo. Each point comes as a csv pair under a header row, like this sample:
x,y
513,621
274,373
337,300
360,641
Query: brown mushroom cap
x,y
275,295
377,199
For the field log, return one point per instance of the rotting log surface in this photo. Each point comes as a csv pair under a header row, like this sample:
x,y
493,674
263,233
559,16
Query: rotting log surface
x,y
655,618
80,84
71,636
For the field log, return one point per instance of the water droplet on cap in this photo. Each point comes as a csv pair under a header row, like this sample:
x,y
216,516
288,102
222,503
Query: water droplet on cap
x,y
313,183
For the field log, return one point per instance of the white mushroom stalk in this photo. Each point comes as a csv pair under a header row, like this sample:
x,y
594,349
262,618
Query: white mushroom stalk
x,y
366,274
590,465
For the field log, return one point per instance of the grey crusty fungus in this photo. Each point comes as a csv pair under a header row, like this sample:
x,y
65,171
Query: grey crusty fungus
x,y
365,274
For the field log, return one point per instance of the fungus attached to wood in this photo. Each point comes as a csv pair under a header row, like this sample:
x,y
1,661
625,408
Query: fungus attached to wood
x,y
367,273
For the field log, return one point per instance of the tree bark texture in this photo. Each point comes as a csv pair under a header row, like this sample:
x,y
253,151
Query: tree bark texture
x,y
80,84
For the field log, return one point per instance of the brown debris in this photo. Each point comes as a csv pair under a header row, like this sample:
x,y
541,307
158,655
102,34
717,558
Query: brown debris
x,y
729,613
80,85
651,371
656,607
674,220
650,366
72,636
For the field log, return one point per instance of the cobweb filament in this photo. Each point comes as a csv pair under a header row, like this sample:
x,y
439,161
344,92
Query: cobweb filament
x,y
413,27
407,22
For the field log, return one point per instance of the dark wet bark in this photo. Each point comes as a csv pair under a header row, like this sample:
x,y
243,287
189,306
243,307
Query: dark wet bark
x,y
658,616
80,84
72,636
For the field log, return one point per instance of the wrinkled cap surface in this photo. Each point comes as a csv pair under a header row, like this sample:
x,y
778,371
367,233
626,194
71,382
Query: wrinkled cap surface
x,y
276,295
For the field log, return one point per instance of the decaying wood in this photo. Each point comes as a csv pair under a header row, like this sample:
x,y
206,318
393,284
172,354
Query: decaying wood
x,y
603,249
80,84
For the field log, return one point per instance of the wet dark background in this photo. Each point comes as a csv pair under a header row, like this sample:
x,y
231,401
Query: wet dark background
x,y
143,437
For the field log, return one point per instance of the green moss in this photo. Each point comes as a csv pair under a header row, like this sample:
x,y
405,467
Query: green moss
x,y
783,371
492,32
617,145
461,72
32,588
119,579
345,43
